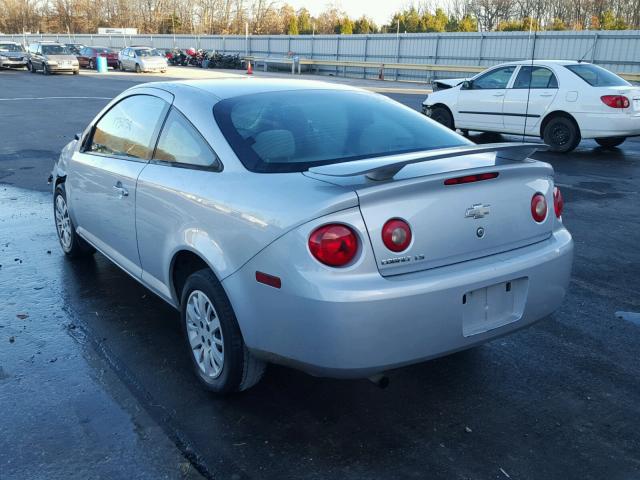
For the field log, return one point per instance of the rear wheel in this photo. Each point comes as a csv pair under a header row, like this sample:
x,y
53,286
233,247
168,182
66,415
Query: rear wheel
x,y
443,116
219,356
72,245
92,65
561,134
31,68
610,142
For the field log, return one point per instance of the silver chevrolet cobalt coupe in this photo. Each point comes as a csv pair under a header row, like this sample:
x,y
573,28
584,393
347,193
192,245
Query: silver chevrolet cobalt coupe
x,y
312,225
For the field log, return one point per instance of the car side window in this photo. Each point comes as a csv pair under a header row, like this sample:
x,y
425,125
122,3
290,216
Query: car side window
x,y
129,128
536,77
495,79
181,143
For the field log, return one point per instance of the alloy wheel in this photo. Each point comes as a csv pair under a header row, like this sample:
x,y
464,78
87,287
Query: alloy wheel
x,y
205,334
63,223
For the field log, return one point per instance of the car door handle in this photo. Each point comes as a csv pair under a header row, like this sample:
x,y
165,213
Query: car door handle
x,y
546,94
121,190
498,94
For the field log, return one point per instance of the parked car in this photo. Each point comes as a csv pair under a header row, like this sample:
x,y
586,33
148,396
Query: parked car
x,y
87,57
12,55
312,224
51,57
142,59
567,101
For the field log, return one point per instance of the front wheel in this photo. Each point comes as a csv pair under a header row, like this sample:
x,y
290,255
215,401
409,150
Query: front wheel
x,y
443,116
120,67
561,134
45,69
610,142
220,359
92,65
72,245
138,69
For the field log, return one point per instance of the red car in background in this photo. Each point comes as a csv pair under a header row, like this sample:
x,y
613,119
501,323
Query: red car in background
x,y
87,57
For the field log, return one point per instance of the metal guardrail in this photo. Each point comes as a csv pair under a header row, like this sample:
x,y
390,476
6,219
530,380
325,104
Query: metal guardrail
x,y
381,67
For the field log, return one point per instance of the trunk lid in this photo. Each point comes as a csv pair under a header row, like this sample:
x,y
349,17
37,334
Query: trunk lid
x,y
455,223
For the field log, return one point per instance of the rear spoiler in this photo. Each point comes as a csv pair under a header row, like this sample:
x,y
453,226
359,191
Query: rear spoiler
x,y
384,168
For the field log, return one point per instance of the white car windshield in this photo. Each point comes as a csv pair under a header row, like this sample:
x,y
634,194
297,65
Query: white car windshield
x,y
54,50
11,47
148,52
597,76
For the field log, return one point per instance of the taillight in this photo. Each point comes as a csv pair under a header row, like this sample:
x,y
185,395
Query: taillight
x,y
334,244
558,201
539,207
396,235
471,178
615,101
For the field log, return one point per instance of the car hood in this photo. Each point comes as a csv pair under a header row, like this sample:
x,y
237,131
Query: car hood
x,y
6,53
58,58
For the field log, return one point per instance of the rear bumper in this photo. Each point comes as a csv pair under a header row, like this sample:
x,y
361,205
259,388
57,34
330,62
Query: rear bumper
x,y
340,326
599,125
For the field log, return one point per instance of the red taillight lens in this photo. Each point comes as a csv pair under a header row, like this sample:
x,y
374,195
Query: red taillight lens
x,y
615,101
334,245
558,201
471,178
396,235
539,207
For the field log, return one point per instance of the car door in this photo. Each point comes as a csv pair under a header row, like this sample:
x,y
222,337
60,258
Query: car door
x,y
529,97
102,177
124,58
37,60
479,105
83,57
183,171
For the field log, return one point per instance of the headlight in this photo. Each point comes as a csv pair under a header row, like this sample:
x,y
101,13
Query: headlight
x,y
51,62
75,62
2,57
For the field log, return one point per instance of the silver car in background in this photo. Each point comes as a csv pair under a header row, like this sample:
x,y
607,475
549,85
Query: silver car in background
x,y
313,225
12,55
142,59
51,57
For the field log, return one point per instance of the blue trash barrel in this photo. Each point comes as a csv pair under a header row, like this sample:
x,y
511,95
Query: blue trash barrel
x,y
101,63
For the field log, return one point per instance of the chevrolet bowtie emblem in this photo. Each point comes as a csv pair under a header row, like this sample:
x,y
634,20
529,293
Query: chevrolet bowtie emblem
x,y
478,210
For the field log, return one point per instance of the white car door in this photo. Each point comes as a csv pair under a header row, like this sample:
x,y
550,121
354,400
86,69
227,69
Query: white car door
x,y
479,105
524,106
102,178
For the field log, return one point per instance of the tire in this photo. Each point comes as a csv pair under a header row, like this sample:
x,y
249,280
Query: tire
x,y
465,132
76,72
45,69
610,142
31,68
138,69
442,116
120,67
72,245
561,134
92,65
224,364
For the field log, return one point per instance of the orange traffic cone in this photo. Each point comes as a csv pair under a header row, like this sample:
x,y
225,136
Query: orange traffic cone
x,y
249,68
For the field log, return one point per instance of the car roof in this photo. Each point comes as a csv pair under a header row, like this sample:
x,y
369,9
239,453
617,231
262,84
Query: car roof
x,y
9,41
223,88
542,62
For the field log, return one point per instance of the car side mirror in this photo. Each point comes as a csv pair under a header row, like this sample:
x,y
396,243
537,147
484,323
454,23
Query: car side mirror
x,y
77,136
467,85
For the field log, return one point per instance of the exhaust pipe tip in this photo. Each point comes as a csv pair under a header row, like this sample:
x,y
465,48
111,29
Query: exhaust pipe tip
x,y
380,380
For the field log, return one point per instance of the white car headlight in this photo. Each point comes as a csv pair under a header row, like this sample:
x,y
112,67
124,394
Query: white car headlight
x,y
2,57
51,62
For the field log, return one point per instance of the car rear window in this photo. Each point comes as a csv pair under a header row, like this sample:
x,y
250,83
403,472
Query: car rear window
x,y
597,76
290,131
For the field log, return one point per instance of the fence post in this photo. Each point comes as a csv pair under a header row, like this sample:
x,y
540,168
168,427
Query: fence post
x,y
481,45
366,44
337,52
398,54
313,41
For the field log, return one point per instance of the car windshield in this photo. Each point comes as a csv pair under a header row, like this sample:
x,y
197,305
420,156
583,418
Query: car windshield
x,y
148,52
290,131
11,47
597,76
54,50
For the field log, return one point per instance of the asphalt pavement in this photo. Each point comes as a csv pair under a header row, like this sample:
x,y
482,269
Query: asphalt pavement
x,y
95,379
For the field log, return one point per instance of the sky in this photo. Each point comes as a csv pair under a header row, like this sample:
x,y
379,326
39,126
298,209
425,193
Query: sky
x,y
380,11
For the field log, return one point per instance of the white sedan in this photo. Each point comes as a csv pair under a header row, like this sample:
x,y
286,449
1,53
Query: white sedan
x,y
560,101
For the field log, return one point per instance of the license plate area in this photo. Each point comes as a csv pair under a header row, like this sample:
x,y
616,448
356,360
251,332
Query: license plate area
x,y
491,307
636,104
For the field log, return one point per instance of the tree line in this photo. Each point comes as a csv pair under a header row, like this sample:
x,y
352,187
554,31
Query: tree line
x,y
231,17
